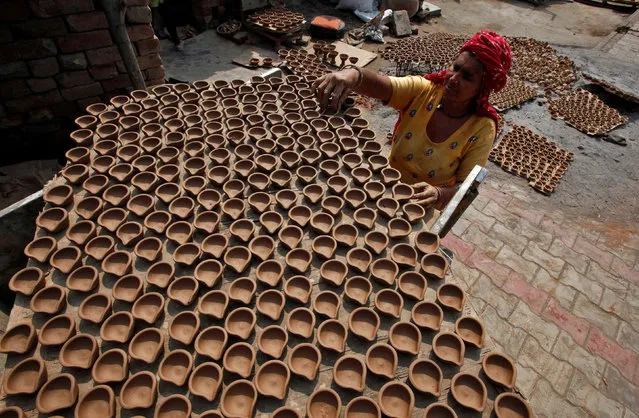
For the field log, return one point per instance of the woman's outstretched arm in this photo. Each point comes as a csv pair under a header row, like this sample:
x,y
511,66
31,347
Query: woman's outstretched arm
x,y
333,88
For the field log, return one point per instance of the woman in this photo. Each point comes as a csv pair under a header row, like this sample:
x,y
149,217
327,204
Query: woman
x,y
446,125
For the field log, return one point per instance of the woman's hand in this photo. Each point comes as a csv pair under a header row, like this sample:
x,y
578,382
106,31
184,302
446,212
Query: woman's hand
x,y
425,194
338,85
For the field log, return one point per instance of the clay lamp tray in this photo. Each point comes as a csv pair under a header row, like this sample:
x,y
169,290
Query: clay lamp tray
x,y
240,323
66,259
272,341
427,315
262,247
427,242
174,406
95,308
187,254
389,175
329,167
337,184
175,367
272,379
208,272
471,330
215,245
469,391
354,198
211,342
426,376
59,195
398,228
434,265
259,202
76,173
234,208
160,274
25,378
57,330
298,288
384,271
364,323
149,307
349,372
18,339
327,304
389,302
111,367
365,217
179,232
270,304
511,405
362,407
358,289
239,359
238,399
184,327
323,403
213,304
27,281
500,369
334,272
205,381
448,347
281,178
209,198
238,258
99,398
396,400
332,335
242,290
139,391
300,215
60,392
451,296
304,360
49,300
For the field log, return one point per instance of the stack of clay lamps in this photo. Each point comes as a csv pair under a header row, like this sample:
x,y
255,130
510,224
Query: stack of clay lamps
x,y
277,20
187,264
513,94
533,157
586,112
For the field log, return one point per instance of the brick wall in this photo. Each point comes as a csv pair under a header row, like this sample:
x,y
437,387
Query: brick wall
x,y
58,56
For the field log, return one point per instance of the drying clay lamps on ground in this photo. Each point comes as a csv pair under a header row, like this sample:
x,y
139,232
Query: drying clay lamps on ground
x,y
364,323
434,265
469,391
304,360
95,308
272,379
139,391
298,288
149,307
61,392
208,272
426,376
238,399
384,271
290,236
205,381
57,330
25,377
405,337
175,367
396,400
147,345
301,322
213,304
49,300
269,272
376,241
238,258
349,372
412,285
451,296
471,330
511,405
439,410
175,406
270,304
183,290
500,369
240,323
211,342
99,402
334,272
111,367
323,403
427,315
272,341
331,335
448,347
27,281
18,339
327,304
389,302
184,327
358,289
242,290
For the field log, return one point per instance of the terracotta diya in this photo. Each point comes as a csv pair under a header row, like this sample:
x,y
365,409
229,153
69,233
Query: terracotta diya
x,y
238,399
439,410
213,304
412,285
147,345
362,407
95,308
57,330
427,315
49,300
272,379
239,359
511,405
449,348
270,304
242,290
183,290
389,302
174,406
384,271
41,248
434,265
215,245
376,241
79,351
272,341
139,391
211,342
25,378
175,367
184,327
111,367
27,281
304,360
399,228
240,323
18,339
500,369
208,272
100,401
298,288
364,323
149,307
469,391
334,272
451,296
205,381
301,322
323,403
349,372
271,221
426,376
396,400
471,330
160,274
238,258
324,246
358,289
327,304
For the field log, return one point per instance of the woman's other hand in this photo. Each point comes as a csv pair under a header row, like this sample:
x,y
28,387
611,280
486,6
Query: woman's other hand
x,y
332,89
425,194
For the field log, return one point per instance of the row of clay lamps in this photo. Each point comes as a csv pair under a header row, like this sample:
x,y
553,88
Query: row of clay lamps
x,y
436,49
278,20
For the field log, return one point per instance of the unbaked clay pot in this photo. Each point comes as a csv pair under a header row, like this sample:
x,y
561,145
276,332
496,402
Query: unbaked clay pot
x,y
301,322
272,379
139,391
396,400
148,248
263,247
313,193
49,300
426,376
118,327
376,241
18,339
60,392
451,296
439,410
298,288
299,259
404,255
25,378
384,271
141,205
412,285
147,345
331,335
327,304
80,351
434,265
99,401
83,279
354,198
271,221
500,369
471,330
285,412
448,347
427,315
183,290
286,198
58,195
270,304
364,323
57,330
389,302
365,217
214,245
184,327
117,263
240,323
239,359
324,246
209,198
17,412
413,212
323,403
358,289
149,307
81,232
242,229
349,372
175,367
337,184
175,406
213,304
238,399
238,258
272,341
242,290
160,274
300,215
398,228
66,259
111,367
234,208
511,405
234,188
111,219
27,281
345,234
205,381
304,360
469,391
362,407
334,272
41,248
333,205
179,232
95,308
405,337
260,202
211,342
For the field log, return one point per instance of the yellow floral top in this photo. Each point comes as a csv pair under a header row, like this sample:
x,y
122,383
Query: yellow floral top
x,y
418,158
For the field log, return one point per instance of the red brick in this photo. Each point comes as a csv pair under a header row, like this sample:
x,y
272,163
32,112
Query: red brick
x,y
12,89
81,92
155,73
149,61
104,56
139,32
39,115
73,78
525,211
14,10
533,297
115,83
148,46
103,72
121,67
41,28
16,69
624,360
39,85
74,42
85,22
584,247
564,233
497,273
27,50
26,103
83,103
75,61
11,121
573,325
48,8
155,82
138,14
499,197
459,247
623,270
45,67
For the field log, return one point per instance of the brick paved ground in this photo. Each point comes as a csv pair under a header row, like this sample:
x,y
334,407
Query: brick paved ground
x,y
558,293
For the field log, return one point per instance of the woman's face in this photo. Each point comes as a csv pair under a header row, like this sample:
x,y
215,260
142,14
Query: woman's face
x,y
463,78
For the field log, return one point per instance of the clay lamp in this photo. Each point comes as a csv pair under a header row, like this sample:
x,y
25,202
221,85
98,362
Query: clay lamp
x,y
329,167
306,142
327,304
371,148
111,219
207,221
387,206
194,149
239,359
182,207
174,125
358,289
129,233
117,263
290,159
234,188
271,221
25,378
149,249
389,302
270,272
362,407
212,414
79,351
426,376
84,137
95,308
427,315
211,342
168,155
405,337
449,348
139,391
240,323
213,304
324,246
365,217
298,288
160,274
235,137
323,403
187,254
434,265
304,360
89,207
118,327
319,124
301,322
286,198
469,391
361,175
404,255
345,234
111,367
209,198
129,153
334,272
60,392
389,175
49,300
58,195
500,369
349,372
285,143
384,271
330,150
355,197
219,175
117,195
99,398
18,339
359,259
234,208
206,380
53,219
243,168
27,281
376,241
512,405
76,173
238,258
267,146
451,296
364,323
167,192
413,212
331,335
399,228
306,174
169,172
149,307
313,193
396,400
270,304
86,121
366,135
300,215
95,184
333,205
179,232
183,290
311,156
413,285
214,245
402,192
175,367
471,330
128,288
238,399
374,189
194,185
83,279
141,205
40,249
96,108
272,379
322,223
352,160
208,272
272,341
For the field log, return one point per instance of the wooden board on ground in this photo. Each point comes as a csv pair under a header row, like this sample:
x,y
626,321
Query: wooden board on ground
x,y
365,57
244,58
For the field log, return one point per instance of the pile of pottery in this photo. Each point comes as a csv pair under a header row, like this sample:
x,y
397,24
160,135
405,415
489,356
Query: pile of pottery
x,y
302,63
436,50
229,28
205,234
277,20
586,112
533,157
513,94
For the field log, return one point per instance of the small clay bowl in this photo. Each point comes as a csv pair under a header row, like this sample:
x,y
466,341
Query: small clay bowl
x,y
83,279
345,234
365,217
412,285
272,379
60,392
313,193
95,308
334,272
451,296
179,232
205,381
233,208
405,337
427,315
211,342
299,259
333,205
323,403
117,263
242,229
41,248
141,205
389,302
160,274
285,412
272,341
149,248
129,233
89,207
25,378
399,228
184,327
469,391
213,304
66,259
413,212
111,219
139,391
215,245
384,271
509,405
301,322
286,198
298,288
111,367
118,327
147,345
304,360
359,259
183,290
149,307
331,335
99,398
208,272
187,254
58,195
18,339
57,330
324,246
238,399
396,400
99,247
234,188
349,372
260,202
175,367
376,241
354,198
270,304
389,175
262,247
434,265
402,192
337,184
364,323
17,412
449,348
238,258
158,221
240,323
81,232
327,304
27,281
358,289
471,330
362,407
174,406
49,300
242,290
209,198
239,359
300,215
500,369
404,255
426,376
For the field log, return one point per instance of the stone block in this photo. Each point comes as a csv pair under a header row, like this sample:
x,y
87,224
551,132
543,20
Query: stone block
x,y
24,104
525,268
73,78
14,69
27,50
489,245
155,73
138,14
81,92
75,61
606,321
40,85
400,23
74,42
103,56
573,325
553,265
103,72
590,288
149,61
115,83
548,403
583,393
85,22
148,46
11,89
557,372
140,32
543,331
45,67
